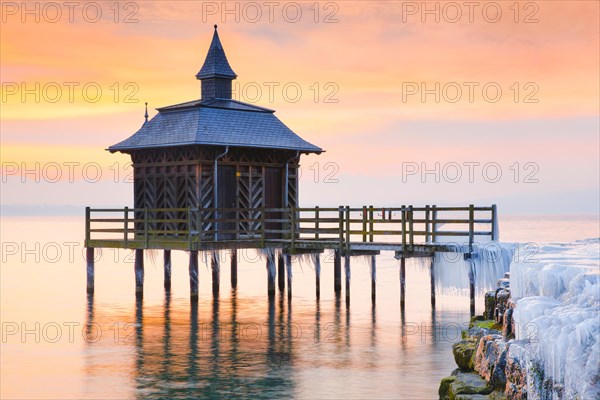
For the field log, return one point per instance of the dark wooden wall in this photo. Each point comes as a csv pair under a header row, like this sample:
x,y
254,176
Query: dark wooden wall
x,y
182,177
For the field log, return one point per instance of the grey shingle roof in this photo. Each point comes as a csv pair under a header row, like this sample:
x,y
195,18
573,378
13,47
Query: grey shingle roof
x,y
220,122
216,64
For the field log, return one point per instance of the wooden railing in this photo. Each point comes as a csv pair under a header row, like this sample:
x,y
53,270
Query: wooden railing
x,y
331,227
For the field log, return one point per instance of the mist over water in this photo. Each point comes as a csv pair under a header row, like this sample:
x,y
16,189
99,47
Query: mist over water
x,y
59,343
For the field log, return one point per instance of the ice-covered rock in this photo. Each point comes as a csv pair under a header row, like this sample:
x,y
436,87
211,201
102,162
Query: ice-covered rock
x,y
558,317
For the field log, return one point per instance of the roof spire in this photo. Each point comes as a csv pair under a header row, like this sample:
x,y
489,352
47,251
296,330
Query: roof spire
x,y
146,114
216,64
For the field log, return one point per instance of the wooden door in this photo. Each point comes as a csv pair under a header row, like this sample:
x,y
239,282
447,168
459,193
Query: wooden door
x,y
226,199
273,182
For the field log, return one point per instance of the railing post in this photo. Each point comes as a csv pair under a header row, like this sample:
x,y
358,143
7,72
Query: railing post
x,y
403,214
341,223
126,230
427,227
87,225
495,227
189,223
364,226
347,227
317,223
370,223
471,227
262,226
199,226
146,239
433,223
411,236
293,227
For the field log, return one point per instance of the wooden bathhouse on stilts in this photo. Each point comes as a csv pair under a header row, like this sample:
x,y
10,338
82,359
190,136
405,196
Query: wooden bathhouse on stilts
x,y
215,152
220,174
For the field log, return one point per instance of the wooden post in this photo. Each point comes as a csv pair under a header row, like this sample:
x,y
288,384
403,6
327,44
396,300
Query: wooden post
x,y
347,272
126,226
427,236
495,230
271,274
146,239
411,230
262,225
216,272
167,266
189,227
337,272
433,223
472,285
471,227
317,223
341,226
87,225
194,275
403,213
318,275
288,271
373,278
432,281
234,269
281,273
402,281
139,272
347,227
364,224
89,258
293,228
371,223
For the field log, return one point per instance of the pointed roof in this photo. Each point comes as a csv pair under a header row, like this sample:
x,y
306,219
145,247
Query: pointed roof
x,y
215,121
216,64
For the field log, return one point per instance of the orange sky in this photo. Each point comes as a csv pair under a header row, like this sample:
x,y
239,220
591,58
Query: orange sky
x,y
370,57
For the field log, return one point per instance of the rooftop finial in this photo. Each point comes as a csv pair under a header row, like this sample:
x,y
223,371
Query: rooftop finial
x,y
146,114
215,27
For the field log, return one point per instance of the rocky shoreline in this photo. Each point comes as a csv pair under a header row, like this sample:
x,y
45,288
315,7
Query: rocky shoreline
x,y
491,363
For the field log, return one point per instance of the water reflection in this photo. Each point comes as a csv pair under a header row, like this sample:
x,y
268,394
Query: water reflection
x,y
227,347
182,355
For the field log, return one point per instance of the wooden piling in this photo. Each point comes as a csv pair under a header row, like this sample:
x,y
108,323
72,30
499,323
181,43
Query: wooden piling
x,y
373,278
402,281
139,272
472,286
318,275
216,272
347,273
193,275
337,272
288,271
271,272
281,273
89,258
234,263
167,266
432,281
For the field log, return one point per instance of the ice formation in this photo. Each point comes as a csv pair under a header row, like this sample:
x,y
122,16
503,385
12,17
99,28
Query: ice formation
x,y
558,316
491,260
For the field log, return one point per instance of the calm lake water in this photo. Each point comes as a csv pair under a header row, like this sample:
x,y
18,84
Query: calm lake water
x,y
59,343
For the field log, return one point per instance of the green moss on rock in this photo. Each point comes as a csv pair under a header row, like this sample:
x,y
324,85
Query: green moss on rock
x,y
445,387
468,383
464,354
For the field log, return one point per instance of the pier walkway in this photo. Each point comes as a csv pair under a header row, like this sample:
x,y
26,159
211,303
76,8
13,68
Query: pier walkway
x,y
349,231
